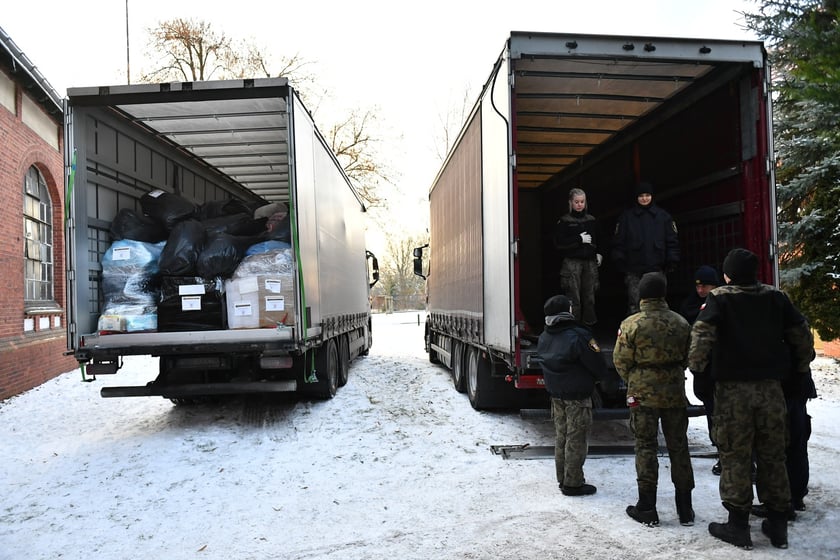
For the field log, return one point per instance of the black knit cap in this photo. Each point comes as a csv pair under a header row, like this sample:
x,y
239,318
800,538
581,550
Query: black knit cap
x,y
555,305
652,285
706,275
741,265
644,187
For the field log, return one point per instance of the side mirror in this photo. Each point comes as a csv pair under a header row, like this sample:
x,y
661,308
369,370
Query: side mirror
x,y
418,261
374,266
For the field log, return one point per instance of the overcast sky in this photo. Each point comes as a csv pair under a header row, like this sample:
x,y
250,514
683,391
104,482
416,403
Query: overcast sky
x,y
412,62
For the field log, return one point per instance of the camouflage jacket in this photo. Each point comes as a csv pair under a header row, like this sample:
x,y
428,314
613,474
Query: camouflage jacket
x,y
749,333
650,355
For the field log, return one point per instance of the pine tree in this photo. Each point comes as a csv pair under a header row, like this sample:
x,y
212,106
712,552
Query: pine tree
x,y
803,39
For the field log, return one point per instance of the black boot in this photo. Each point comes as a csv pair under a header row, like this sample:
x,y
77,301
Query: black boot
x,y
735,531
684,509
645,509
775,527
760,510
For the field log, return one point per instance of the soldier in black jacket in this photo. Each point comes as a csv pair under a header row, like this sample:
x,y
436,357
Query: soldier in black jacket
x,y
577,240
755,338
645,241
572,363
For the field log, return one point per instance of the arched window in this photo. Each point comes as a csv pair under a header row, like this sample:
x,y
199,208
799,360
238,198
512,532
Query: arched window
x,y
38,239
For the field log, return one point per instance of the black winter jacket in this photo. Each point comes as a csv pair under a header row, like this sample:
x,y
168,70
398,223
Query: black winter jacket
x,y
645,240
571,360
567,236
751,332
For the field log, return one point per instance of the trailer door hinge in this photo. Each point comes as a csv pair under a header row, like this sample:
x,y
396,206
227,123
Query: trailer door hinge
x,y
514,248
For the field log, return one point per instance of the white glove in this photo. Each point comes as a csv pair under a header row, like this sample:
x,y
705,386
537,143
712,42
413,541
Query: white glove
x,y
599,259
585,237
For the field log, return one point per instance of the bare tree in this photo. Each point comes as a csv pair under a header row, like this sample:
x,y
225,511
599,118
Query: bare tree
x,y
397,271
355,148
188,50
192,50
451,123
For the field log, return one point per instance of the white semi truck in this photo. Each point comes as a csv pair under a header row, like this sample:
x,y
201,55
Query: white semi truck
x,y
244,142
600,113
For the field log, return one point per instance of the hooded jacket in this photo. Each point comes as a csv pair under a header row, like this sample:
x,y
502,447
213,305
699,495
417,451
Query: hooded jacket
x,y
571,360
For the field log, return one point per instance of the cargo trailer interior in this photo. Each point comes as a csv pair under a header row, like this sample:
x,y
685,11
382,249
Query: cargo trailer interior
x,y
689,116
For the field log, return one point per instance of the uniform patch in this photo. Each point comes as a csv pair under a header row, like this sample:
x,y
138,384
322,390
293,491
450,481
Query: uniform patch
x,y
594,345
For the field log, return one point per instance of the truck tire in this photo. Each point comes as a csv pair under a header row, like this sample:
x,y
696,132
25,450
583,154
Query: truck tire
x,y
343,360
459,379
478,381
326,370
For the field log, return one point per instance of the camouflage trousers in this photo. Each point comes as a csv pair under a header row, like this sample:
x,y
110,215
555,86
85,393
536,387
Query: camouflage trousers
x,y
750,420
579,282
644,421
572,424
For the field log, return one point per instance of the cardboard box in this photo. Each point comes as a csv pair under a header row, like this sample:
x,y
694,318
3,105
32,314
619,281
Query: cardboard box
x,y
261,301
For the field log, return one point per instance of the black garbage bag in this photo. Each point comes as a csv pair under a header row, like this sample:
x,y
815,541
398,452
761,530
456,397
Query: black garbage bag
x,y
182,249
167,208
215,208
130,224
222,254
234,224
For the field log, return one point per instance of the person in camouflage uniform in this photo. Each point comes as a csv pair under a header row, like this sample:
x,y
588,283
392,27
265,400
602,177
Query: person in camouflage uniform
x,y
571,363
754,337
650,355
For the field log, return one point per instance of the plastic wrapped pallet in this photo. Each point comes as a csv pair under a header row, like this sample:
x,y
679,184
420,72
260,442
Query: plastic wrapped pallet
x,y
130,286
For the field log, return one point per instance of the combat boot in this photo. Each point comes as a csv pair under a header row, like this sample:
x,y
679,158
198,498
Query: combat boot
x,y
645,509
775,527
684,509
735,531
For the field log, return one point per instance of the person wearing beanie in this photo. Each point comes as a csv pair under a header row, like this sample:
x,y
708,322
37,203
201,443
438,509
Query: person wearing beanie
x,y
705,280
650,355
577,242
572,364
752,338
645,240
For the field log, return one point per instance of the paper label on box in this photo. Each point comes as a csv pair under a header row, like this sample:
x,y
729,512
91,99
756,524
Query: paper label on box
x,y
191,289
242,309
191,303
121,253
275,303
273,285
248,285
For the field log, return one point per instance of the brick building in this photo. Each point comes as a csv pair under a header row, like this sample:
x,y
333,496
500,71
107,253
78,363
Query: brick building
x,y
32,294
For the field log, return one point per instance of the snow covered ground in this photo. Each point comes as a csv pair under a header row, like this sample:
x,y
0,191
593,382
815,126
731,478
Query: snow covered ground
x,y
398,465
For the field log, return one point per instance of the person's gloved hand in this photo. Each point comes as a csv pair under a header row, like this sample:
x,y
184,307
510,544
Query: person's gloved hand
x,y
599,259
585,237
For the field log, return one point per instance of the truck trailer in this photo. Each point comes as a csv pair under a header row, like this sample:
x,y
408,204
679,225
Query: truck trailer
x,y
245,144
599,113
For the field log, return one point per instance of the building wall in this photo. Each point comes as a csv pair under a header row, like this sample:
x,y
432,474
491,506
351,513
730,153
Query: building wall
x,y
32,344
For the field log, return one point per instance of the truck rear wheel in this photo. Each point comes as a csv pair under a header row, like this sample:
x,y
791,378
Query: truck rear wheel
x,y
478,379
457,362
326,371
343,360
